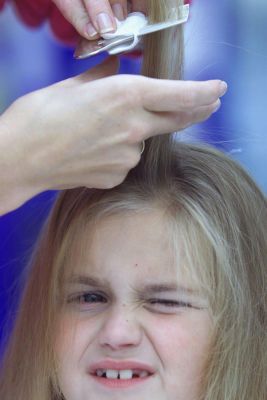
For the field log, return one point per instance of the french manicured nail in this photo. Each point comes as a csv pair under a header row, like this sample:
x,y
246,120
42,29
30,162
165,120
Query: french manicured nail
x,y
104,22
91,30
217,107
223,88
118,11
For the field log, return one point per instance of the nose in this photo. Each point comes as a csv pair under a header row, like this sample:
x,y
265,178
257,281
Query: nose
x,y
120,329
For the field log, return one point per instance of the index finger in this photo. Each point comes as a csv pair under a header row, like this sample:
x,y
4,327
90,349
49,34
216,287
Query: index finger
x,y
170,96
103,12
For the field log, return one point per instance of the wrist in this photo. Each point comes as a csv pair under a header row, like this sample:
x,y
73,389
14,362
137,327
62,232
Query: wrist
x,y
16,183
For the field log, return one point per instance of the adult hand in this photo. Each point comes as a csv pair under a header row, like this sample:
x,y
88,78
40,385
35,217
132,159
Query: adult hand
x,y
88,132
68,18
94,17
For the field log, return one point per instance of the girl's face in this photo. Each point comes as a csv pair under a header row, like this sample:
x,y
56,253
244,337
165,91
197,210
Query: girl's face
x,y
133,326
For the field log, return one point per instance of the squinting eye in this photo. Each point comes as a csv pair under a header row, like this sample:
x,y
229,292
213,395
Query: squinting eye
x,y
169,303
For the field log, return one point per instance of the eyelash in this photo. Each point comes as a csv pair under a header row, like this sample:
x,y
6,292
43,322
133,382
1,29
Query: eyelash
x,y
78,298
170,303
99,298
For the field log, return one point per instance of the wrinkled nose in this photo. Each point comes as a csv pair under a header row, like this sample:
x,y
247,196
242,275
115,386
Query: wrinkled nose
x,y
120,329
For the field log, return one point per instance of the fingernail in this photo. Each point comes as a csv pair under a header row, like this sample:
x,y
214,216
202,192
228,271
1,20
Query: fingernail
x,y
104,22
118,11
223,88
217,107
91,30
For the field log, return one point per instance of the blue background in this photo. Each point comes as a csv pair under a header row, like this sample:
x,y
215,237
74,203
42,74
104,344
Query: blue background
x,y
225,40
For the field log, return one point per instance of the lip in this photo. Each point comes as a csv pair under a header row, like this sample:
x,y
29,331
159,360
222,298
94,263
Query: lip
x,y
120,365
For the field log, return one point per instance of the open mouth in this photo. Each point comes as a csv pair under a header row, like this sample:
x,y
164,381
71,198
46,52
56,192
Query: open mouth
x,y
121,374
118,374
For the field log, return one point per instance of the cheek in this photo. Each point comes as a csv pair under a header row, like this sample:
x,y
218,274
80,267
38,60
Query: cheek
x,y
183,343
72,339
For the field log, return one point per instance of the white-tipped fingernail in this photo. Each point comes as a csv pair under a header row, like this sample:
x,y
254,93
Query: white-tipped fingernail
x,y
118,11
104,23
90,29
217,107
223,88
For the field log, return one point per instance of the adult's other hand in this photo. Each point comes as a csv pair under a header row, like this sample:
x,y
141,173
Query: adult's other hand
x,y
88,130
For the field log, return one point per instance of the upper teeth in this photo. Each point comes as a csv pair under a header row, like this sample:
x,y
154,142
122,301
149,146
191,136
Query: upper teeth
x,y
124,374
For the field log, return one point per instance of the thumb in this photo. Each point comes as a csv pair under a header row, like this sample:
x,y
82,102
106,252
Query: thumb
x,y
109,67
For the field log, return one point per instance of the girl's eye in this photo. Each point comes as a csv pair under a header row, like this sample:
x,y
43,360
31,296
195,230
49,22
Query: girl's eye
x,y
87,298
165,303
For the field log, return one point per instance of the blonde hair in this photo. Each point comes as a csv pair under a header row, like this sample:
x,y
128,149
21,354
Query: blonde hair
x,y
218,208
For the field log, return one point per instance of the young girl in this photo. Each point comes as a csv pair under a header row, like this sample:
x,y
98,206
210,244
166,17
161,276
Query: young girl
x,y
154,289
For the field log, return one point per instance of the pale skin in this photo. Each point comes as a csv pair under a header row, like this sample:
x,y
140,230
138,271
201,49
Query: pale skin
x,y
87,131
114,312
93,17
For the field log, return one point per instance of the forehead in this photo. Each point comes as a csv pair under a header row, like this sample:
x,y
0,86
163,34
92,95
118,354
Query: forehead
x,y
143,234
129,243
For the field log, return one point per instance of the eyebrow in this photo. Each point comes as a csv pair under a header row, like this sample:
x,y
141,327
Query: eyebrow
x,y
149,289
87,280
168,287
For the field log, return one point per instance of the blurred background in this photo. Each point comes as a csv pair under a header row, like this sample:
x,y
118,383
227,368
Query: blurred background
x,y
223,40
